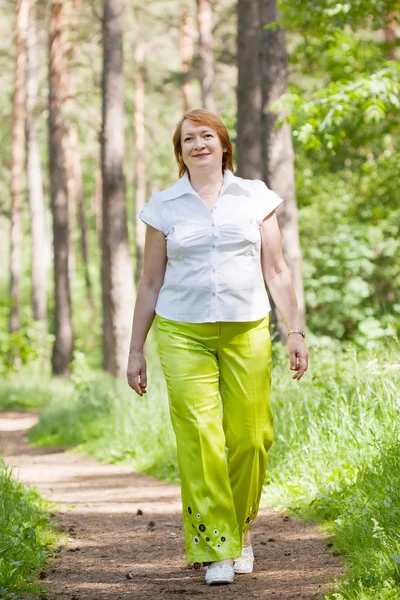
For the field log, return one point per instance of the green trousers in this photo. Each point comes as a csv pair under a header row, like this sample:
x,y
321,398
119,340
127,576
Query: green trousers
x,y
218,378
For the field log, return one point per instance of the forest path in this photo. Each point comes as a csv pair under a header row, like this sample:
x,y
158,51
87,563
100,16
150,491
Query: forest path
x,y
126,539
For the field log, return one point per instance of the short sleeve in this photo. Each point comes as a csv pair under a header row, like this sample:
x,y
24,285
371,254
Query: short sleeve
x,y
152,214
268,201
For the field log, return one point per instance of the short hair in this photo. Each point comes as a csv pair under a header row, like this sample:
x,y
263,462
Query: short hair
x,y
201,116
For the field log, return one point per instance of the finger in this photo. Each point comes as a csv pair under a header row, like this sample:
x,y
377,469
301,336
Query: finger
x,y
303,365
143,378
293,359
133,381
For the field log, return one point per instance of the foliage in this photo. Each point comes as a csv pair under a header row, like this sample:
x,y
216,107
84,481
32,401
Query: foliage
x,y
343,107
351,260
27,538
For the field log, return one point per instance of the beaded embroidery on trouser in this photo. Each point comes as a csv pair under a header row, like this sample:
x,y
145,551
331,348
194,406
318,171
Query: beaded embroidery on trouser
x,y
218,378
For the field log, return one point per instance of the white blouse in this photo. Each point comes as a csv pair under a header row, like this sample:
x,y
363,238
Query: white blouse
x,y
214,263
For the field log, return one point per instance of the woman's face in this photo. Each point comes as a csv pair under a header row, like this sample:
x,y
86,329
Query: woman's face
x,y
201,147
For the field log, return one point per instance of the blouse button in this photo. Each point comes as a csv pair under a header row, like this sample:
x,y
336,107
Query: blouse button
x,y
213,270
213,245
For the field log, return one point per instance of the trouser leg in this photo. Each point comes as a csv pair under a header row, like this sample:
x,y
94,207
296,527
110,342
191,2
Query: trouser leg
x,y
188,358
244,355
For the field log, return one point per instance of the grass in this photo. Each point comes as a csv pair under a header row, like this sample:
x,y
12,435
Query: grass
x,y
27,538
335,458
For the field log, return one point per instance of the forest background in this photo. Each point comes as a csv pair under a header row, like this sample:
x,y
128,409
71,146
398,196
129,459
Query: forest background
x,y
322,88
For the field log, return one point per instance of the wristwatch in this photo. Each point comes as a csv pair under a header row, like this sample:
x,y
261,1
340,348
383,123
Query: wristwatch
x,y
303,333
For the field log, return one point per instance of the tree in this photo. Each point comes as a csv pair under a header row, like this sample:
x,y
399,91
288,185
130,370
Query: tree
x,y
265,152
186,56
206,54
73,155
278,162
117,274
139,129
64,342
35,183
18,161
249,142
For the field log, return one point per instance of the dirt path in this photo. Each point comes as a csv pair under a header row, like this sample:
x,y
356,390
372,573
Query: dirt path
x,y
125,534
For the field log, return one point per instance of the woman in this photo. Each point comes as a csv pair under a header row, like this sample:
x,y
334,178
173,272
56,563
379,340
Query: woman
x,y
212,242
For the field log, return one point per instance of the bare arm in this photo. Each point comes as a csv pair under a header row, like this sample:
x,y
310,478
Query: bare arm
x,y
155,262
280,284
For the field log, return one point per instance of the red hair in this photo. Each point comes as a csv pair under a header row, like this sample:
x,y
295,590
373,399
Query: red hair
x,y
201,116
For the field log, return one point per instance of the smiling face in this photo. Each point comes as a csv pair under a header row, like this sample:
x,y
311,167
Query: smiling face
x,y
201,147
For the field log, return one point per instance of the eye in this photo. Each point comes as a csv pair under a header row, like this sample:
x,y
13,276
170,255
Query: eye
x,y
208,135
187,139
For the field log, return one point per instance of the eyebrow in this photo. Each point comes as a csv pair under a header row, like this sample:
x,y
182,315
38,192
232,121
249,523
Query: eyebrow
x,y
203,130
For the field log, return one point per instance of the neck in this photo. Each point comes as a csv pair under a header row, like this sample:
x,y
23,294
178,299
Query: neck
x,y
206,180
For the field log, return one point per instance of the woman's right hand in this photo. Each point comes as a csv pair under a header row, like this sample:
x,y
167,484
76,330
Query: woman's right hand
x,y
136,372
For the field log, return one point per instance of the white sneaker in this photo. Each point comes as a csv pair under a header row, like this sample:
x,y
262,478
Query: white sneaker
x,y
220,575
244,564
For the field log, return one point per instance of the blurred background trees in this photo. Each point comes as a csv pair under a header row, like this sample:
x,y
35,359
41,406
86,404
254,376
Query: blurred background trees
x,y
91,93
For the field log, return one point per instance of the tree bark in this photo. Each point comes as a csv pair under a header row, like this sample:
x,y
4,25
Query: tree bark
x,y
206,54
139,128
97,201
63,346
18,162
35,180
74,160
117,274
390,36
186,55
249,140
278,151
263,151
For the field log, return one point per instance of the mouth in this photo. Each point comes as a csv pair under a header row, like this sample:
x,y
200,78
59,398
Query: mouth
x,y
201,155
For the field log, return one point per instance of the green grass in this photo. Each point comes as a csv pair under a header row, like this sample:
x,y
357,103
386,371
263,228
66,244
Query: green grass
x,y
335,458
27,538
29,391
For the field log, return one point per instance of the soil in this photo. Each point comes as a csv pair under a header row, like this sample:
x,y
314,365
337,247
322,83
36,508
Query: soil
x,y
125,538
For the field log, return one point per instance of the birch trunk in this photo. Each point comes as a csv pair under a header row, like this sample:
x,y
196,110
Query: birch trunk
x,y
186,55
206,54
139,128
35,180
18,162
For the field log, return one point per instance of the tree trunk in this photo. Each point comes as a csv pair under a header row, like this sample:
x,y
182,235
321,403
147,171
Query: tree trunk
x,y
390,36
63,346
35,182
97,201
73,155
18,162
278,150
206,54
186,54
140,166
117,275
249,140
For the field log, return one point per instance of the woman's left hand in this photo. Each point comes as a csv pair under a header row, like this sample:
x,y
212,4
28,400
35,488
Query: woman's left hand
x,y
298,355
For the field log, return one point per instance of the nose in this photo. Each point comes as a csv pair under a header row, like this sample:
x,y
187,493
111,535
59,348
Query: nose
x,y
199,143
